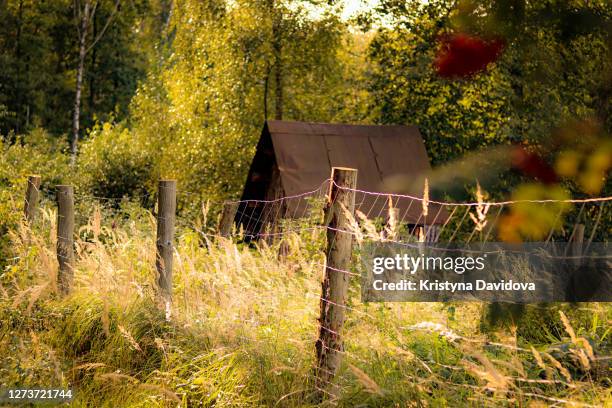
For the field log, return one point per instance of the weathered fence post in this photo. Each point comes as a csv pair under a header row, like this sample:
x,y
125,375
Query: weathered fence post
x,y
329,346
432,233
31,198
227,218
65,237
166,214
576,244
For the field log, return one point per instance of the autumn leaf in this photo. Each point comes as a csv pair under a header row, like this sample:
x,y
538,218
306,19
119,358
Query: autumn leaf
x,y
463,55
533,165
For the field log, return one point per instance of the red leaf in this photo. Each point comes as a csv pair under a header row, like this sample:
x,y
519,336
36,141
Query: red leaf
x,y
531,164
462,55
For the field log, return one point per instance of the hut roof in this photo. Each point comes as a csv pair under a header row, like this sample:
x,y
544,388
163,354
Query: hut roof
x,y
304,154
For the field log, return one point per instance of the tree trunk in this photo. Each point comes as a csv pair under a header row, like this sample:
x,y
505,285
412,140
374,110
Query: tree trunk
x,y
278,62
76,117
92,68
266,89
278,114
20,80
167,9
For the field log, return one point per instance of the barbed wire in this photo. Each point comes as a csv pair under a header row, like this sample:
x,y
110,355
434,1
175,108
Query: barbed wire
x,y
475,203
319,189
264,214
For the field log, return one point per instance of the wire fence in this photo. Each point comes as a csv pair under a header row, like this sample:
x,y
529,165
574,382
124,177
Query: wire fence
x,y
406,218
394,218
415,217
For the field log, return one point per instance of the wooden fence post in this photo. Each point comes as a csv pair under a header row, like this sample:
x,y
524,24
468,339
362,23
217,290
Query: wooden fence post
x,y
31,198
166,214
432,233
65,237
227,218
576,244
329,346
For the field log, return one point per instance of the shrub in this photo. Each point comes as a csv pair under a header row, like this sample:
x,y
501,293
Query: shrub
x,y
112,164
33,153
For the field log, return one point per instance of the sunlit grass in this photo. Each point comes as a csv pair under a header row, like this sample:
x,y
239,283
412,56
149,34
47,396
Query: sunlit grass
x,y
242,327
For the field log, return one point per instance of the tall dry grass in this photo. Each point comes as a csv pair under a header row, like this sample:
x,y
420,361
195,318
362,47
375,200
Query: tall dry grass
x,y
241,328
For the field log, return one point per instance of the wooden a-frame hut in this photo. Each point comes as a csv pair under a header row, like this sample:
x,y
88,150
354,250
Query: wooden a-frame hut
x,y
293,158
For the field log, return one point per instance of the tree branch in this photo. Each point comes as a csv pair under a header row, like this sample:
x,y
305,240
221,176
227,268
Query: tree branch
x,y
93,12
108,21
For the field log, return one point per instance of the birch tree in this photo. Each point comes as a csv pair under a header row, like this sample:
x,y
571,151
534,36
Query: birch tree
x,y
84,14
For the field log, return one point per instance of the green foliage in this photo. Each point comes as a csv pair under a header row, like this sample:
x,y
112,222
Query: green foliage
x,y
39,52
33,153
544,77
200,113
454,117
112,165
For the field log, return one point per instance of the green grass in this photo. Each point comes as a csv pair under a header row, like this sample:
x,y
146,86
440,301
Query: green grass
x,y
242,327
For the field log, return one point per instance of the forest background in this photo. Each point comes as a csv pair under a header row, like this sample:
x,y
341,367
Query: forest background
x,y
181,88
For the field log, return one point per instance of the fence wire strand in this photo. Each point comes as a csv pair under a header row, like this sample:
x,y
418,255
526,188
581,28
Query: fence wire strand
x,y
279,219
